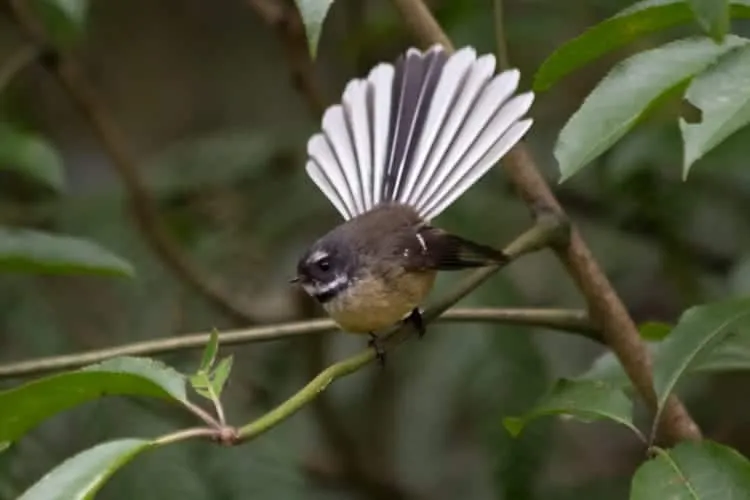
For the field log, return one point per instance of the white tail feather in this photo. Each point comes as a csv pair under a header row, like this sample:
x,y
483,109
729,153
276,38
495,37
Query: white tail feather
x,y
381,81
455,71
453,121
355,106
483,136
452,140
491,157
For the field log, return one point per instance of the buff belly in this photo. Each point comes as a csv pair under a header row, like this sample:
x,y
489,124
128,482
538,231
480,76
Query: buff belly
x,y
375,304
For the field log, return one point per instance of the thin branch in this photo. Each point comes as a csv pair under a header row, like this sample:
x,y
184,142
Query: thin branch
x,y
545,232
501,42
18,60
185,434
203,415
217,405
604,305
571,321
143,208
305,395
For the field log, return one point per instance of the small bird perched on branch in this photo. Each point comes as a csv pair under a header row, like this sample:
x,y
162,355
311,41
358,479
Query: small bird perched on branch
x,y
402,145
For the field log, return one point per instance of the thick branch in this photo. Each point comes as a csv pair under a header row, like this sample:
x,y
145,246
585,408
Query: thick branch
x,y
605,307
571,321
143,208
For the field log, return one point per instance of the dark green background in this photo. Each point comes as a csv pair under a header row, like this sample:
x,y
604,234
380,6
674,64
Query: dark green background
x,y
203,93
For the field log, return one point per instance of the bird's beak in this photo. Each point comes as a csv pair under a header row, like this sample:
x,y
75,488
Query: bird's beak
x,y
294,280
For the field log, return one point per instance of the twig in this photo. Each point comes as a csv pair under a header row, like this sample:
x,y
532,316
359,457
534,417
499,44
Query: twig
x,y
604,305
185,434
545,232
203,415
571,321
10,67
144,210
501,43
305,395
218,407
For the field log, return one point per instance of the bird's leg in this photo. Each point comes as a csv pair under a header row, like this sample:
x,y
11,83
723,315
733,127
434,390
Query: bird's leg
x,y
415,318
374,342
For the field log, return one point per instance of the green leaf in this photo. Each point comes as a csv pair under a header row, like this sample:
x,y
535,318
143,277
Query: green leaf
x,y
694,338
654,331
30,156
701,470
721,94
29,251
712,16
201,383
731,354
221,374
209,354
313,13
82,476
64,20
211,384
623,96
24,407
627,26
4,445
585,400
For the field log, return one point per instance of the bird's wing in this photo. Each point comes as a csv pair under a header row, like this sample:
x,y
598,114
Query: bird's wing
x,y
420,132
432,248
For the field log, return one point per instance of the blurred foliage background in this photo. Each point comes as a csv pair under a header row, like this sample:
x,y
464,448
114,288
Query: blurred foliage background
x,y
204,94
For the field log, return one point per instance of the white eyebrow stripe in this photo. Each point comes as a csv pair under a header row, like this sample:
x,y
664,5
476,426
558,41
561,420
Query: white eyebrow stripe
x,y
317,255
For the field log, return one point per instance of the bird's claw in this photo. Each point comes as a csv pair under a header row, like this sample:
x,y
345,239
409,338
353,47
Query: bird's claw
x,y
415,318
374,342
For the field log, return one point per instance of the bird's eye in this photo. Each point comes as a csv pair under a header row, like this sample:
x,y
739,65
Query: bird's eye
x,y
324,264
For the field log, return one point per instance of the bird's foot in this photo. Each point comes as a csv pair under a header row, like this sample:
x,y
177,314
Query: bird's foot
x,y
374,342
415,318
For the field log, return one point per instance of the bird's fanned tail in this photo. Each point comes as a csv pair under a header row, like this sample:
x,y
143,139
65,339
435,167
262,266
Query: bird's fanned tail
x,y
420,132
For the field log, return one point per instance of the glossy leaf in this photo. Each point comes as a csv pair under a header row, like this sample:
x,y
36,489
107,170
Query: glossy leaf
x,y
700,330
627,26
221,375
209,354
82,476
585,400
607,368
701,470
712,16
30,156
654,331
30,251
24,407
731,354
313,13
624,95
210,384
721,94
64,20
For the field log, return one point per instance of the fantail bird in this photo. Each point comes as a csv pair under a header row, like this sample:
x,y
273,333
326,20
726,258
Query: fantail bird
x,y
402,145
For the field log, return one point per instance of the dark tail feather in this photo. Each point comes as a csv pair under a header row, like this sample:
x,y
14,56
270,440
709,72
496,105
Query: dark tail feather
x,y
416,76
458,253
